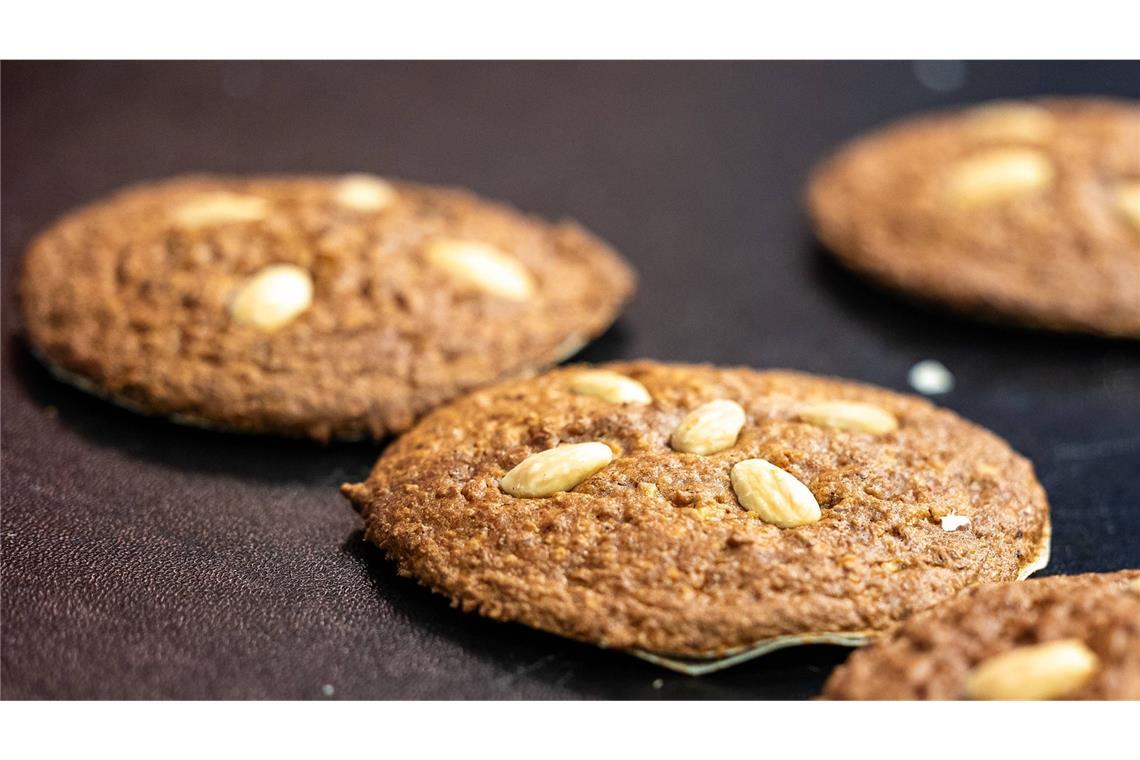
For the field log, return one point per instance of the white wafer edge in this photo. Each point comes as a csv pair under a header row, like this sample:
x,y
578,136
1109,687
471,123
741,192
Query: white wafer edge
x,y
703,665
699,666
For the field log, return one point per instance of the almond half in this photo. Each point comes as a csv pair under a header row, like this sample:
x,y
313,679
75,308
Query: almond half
x,y
610,386
481,266
1038,671
773,494
709,428
558,469
850,415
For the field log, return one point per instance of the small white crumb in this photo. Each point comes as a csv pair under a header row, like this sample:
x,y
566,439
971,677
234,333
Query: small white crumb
x,y
931,378
952,522
328,690
658,683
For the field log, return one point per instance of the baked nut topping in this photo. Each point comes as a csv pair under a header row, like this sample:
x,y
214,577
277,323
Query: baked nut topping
x,y
273,297
850,415
999,174
481,266
709,428
364,193
773,494
1012,120
1127,198
557,469
1039,671
610,386
219,208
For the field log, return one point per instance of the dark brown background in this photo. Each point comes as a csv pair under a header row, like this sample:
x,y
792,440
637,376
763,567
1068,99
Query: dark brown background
x,y
141,559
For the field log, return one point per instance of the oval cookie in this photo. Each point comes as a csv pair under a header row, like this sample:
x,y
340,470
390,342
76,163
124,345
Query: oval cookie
x,y
314,306
1027,211
542,502
1062,637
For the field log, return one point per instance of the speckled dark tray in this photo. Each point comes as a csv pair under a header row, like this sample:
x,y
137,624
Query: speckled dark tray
x,y
142,559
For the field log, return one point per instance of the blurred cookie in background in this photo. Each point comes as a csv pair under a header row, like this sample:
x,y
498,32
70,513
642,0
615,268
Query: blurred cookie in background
x,y
1024,211
327,307
1062,637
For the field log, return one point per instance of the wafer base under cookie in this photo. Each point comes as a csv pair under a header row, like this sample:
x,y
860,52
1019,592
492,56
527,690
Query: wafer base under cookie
x,y
699,666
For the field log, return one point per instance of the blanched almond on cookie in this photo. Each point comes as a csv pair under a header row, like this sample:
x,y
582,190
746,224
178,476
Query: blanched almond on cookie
x,y
774,494
850,415
218,208
557,469
998,174
1126,196
481,266
1011,120
273,297
1039,671
364,193
610,386
709,428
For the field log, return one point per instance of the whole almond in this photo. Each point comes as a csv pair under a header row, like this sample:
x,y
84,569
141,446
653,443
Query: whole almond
x,y
364,193
709,428
481,266
273,297
610,386
850,415
1038,671
1127,198
998,174
557,469
773,494
210,209
1011,120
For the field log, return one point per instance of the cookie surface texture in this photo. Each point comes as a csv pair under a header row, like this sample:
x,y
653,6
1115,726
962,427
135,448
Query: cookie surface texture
x,y
1023,211
310,306
806,514
1061,637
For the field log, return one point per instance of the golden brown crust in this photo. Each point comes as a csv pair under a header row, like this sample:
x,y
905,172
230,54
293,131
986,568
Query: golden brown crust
x,y
654,552
932,654
1064,258
135,306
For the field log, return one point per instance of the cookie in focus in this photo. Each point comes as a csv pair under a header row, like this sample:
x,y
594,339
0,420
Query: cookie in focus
x,y
697,511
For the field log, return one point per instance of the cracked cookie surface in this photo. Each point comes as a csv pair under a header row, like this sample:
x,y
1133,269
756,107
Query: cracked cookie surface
x,y
652,549
1028,211
934,654
315,306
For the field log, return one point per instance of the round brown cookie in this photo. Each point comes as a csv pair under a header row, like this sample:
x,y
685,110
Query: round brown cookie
x,y
320,306
1027,211
699,511
1065,637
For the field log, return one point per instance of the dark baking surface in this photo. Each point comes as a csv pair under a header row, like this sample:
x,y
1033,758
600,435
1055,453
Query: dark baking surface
x,y
143,559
